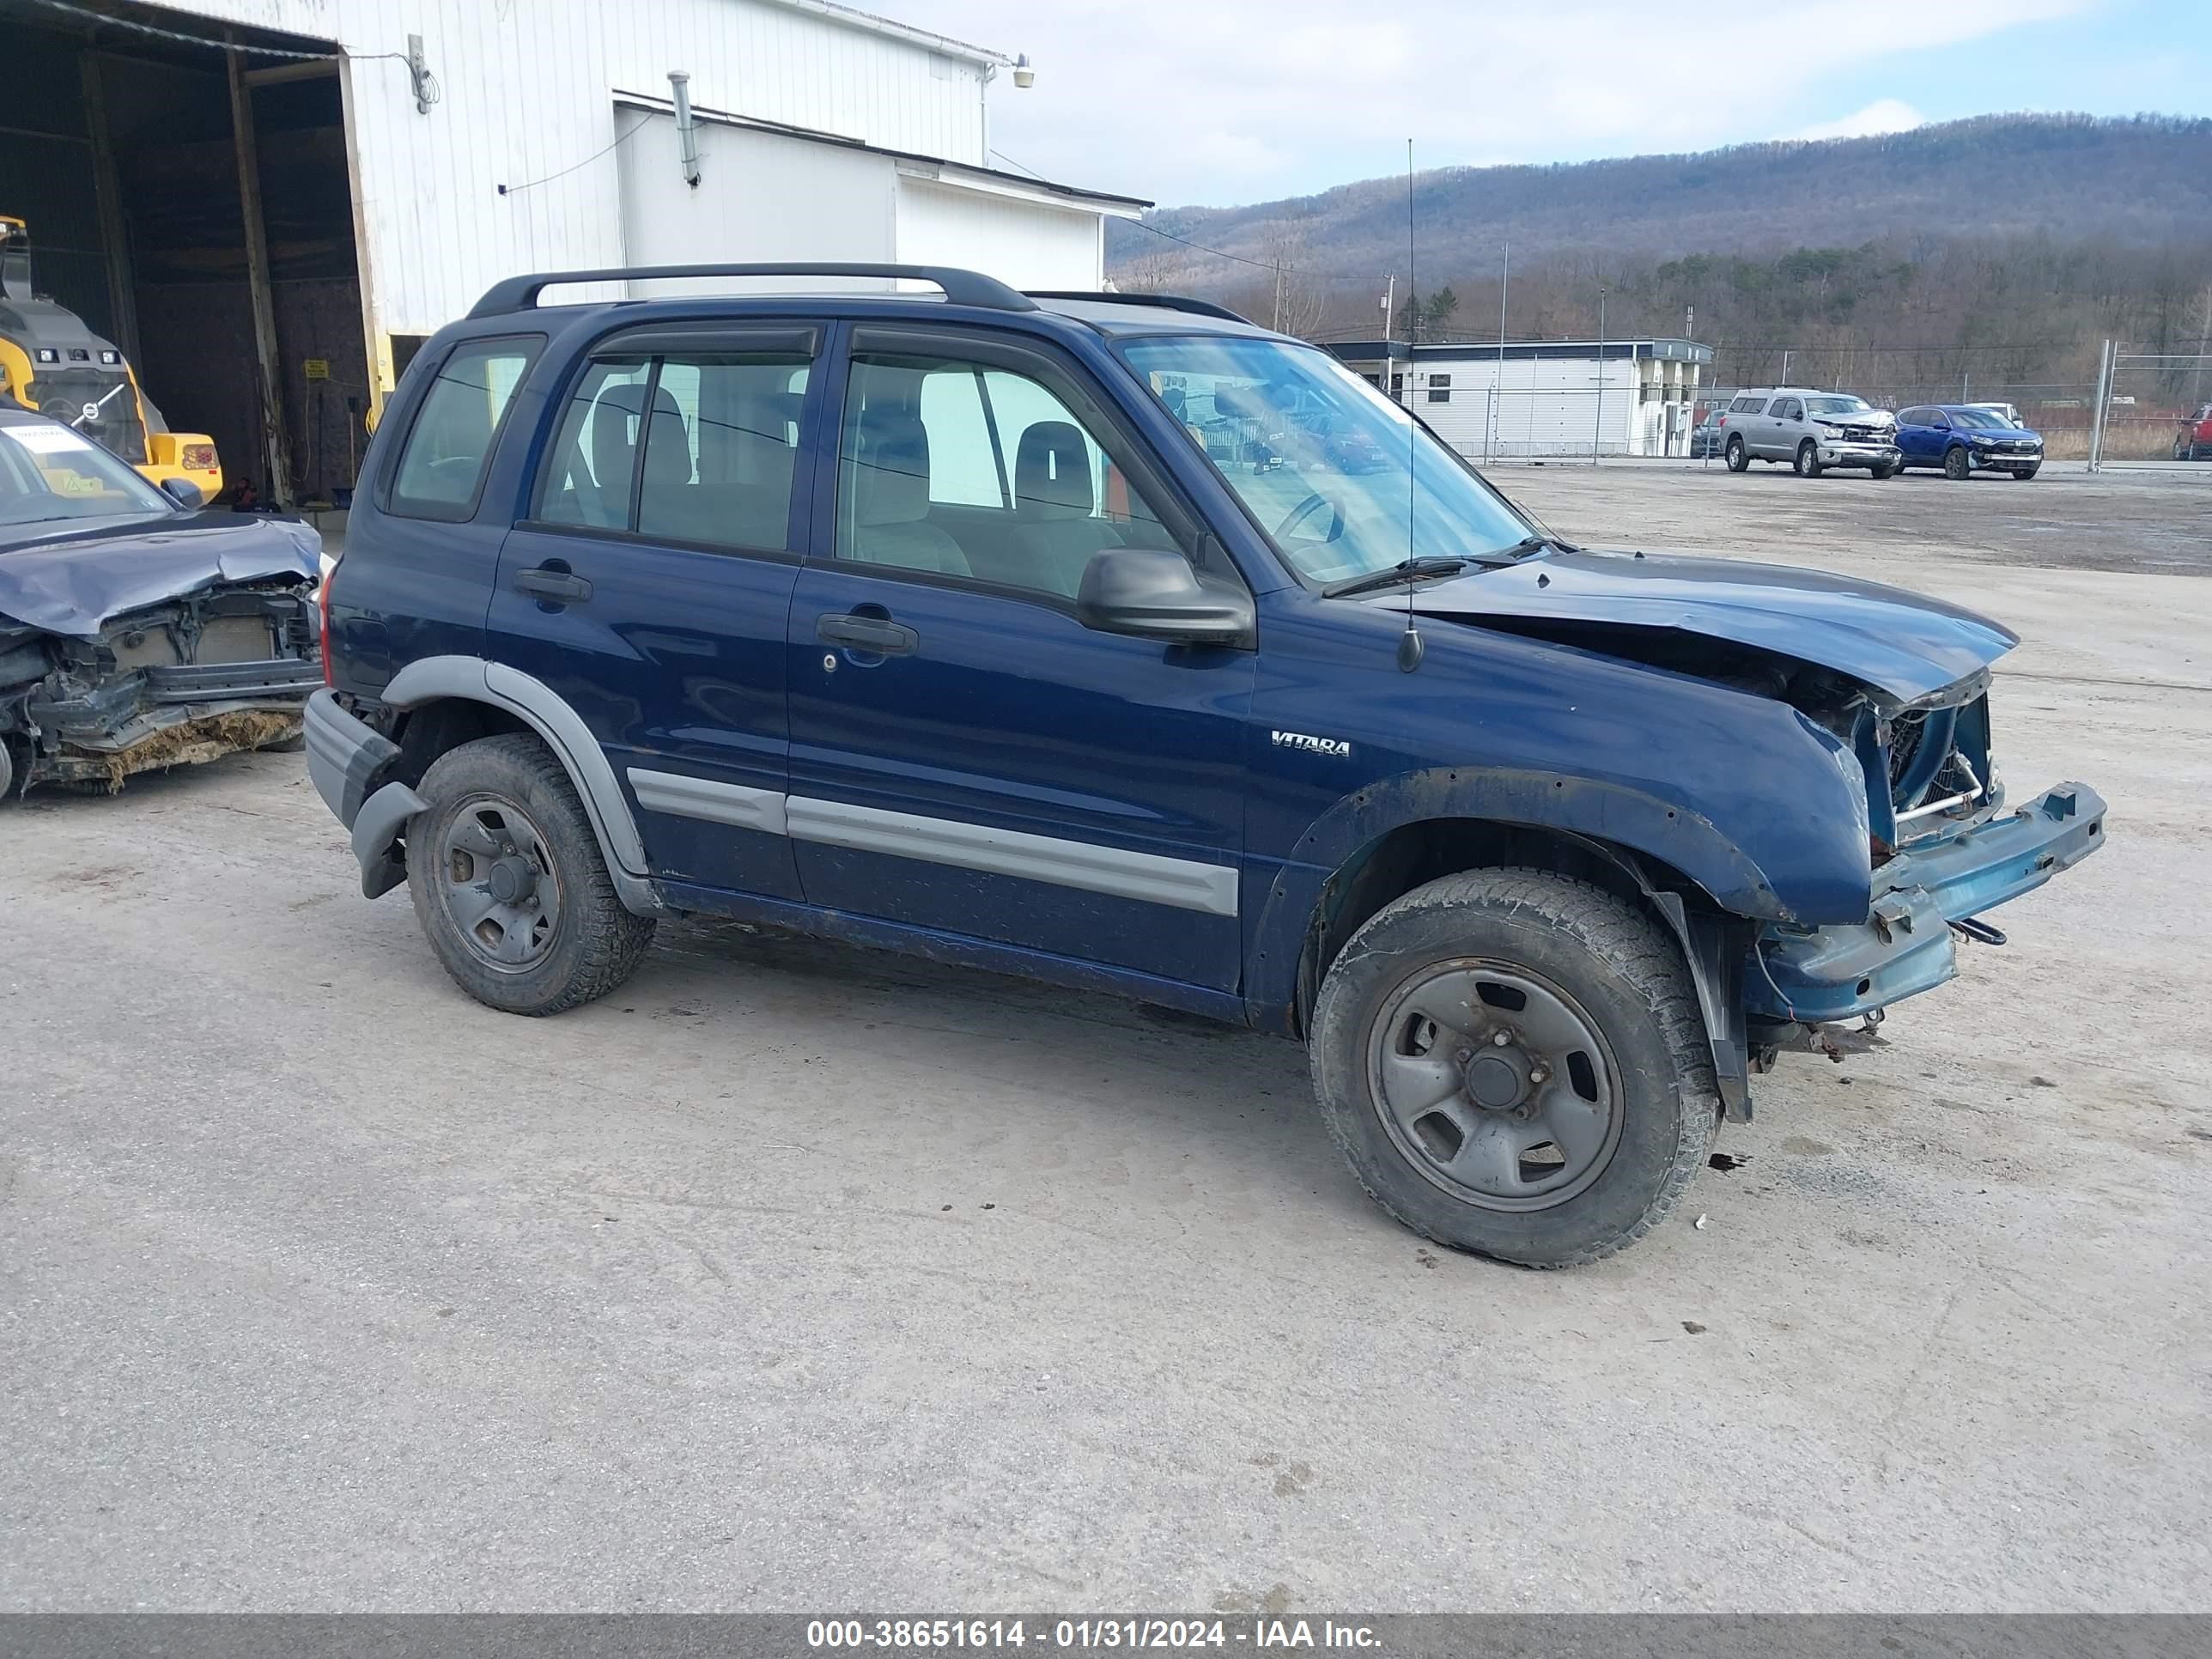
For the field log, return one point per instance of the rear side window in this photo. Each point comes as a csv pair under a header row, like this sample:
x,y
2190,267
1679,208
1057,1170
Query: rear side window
x,y
1747,405
442,468
692,448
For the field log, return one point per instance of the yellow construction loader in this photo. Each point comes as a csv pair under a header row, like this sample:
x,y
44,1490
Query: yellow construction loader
x,y
52,362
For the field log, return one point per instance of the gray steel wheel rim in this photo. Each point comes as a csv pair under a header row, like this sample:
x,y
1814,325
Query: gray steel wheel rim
x,y
509,931
1424,1047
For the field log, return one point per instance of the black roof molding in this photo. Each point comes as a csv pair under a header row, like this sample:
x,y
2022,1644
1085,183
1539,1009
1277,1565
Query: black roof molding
x,y
1164,302
961,288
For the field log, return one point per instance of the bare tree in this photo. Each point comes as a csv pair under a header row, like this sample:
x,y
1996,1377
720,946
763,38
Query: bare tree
x,y
1301,297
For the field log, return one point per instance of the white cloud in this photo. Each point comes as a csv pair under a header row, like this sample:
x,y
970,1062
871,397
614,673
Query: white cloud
x,y
1883,115
1231,101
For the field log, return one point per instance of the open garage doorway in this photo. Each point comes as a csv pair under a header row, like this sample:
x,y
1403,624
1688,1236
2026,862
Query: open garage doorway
x,y
120,153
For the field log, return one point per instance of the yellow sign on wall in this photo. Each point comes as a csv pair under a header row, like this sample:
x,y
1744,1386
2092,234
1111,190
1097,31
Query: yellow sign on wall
x,y
318,368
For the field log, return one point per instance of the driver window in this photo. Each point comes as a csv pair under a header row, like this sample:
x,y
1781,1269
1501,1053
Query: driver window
x,y
964,469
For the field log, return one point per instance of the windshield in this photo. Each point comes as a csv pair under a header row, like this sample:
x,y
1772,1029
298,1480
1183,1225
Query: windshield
x,y
49,473
1980,420
1329,467
1844,405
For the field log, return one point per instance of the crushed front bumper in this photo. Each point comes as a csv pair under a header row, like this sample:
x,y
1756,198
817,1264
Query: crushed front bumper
x,y
1815,976
154,718
1847,452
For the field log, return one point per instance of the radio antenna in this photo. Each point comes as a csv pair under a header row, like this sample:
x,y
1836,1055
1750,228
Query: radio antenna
x,y
1410,648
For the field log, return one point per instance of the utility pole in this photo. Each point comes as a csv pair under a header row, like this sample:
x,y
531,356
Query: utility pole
x,y
1390,317
1597,428
1278,324
1498,391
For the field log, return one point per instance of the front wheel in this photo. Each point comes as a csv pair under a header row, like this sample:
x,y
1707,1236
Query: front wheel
x,y
509,883
1955,464
1514,1064
1739,458
1886,470
2024,473
1809,460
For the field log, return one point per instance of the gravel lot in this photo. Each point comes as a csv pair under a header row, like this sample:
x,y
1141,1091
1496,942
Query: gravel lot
x,y
794,1278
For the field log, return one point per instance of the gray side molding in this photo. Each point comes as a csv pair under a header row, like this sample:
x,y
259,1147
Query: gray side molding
x,y
688,797
539,706
1185,884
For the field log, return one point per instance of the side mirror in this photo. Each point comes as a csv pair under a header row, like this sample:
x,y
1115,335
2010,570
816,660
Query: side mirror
x,y
1161,596
184,492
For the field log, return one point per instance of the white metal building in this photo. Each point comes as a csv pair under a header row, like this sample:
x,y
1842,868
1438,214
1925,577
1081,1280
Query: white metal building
x,y
395,157
1544,396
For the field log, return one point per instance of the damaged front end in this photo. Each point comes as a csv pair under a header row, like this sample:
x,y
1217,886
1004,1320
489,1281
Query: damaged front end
x,y
199,676
1942,848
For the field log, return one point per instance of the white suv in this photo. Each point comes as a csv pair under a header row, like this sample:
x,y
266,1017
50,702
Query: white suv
x,y
1809,429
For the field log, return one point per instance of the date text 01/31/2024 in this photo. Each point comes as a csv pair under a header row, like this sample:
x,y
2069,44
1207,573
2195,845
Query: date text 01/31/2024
x,y
1084,1635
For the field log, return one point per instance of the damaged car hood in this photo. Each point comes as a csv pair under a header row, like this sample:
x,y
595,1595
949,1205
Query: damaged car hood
x,y
73,580
1900,643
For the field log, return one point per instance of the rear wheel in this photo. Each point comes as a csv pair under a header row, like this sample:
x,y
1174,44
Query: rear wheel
x,y
1739,458
508,883
1514,1064
1808,459
1956,462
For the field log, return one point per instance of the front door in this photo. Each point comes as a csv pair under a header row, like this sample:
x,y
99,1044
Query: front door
x,y
966,755
650,584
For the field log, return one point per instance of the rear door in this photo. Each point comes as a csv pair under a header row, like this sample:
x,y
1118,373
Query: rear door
x,y
1785,425
966,757
1913,434
651,584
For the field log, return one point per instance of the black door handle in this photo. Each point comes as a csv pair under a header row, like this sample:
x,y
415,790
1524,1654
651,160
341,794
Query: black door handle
x,y
876,633
553,586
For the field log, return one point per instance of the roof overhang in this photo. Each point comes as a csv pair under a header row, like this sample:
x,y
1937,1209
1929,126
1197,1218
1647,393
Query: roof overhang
x,y
1686,351
868,22
931,169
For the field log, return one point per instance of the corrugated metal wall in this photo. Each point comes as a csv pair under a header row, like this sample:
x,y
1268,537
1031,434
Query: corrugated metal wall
x,y
527,100
765,196
1024,243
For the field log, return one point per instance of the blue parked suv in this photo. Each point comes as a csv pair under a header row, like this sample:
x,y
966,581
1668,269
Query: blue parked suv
x,y
1963,440
942,624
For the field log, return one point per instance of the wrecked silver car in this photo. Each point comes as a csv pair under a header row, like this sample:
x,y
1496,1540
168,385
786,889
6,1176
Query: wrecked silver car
x,y
139,632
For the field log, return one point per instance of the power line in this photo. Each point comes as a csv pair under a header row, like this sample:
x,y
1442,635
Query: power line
x,y
643,122
426,84
1222,253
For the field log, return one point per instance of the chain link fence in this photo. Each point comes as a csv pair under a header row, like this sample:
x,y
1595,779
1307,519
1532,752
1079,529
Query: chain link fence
x,y
2155,409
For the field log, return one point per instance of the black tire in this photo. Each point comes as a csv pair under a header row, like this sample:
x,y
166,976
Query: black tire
x,y
296,744
2024,473
590,945
1887,470
1956,463
1626,981
1808,461
2183,450
1739,457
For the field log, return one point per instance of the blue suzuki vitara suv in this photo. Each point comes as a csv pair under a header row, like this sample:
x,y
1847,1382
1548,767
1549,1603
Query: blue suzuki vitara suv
x,y
1055,633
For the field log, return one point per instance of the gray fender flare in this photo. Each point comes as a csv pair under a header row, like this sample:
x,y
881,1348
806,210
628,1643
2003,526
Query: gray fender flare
x,y
543,710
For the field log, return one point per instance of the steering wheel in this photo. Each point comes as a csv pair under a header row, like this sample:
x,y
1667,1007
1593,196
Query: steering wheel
x,y
1305,509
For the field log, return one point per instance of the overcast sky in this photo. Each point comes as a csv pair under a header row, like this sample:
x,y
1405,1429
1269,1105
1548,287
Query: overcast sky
x,y
1218,102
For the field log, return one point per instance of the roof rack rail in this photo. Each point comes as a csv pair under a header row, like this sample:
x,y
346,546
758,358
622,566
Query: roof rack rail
x,y
962,288
1164,302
